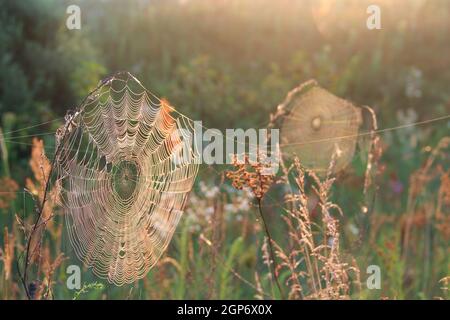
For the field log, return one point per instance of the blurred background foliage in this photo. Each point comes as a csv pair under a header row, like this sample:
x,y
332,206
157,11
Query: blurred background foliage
x,y
229,64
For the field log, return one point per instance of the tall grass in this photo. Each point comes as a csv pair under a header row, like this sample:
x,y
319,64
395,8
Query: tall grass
x,y
220,251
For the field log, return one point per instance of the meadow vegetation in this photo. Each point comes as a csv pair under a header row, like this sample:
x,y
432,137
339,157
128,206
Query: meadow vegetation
x,y
229,64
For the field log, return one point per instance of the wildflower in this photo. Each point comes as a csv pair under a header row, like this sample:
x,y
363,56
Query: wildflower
x,y
396,185
414,81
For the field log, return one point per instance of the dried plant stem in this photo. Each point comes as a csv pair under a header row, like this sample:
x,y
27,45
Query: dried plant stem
x,y
36,226
271,251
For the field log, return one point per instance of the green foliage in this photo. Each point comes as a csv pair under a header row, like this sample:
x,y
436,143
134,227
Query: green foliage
x,y
183,262
235,249
87,287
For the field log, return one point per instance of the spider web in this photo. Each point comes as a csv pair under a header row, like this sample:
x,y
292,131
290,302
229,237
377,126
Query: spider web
x,y
124,174
317,125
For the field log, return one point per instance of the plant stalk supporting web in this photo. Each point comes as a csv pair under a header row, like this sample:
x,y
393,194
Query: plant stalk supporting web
x,y
271,251
24,275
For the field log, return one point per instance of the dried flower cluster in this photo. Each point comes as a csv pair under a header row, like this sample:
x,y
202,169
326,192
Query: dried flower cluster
x,y
251,175
41,168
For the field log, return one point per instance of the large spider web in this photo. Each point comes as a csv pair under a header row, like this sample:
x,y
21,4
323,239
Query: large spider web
x,y
124,171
